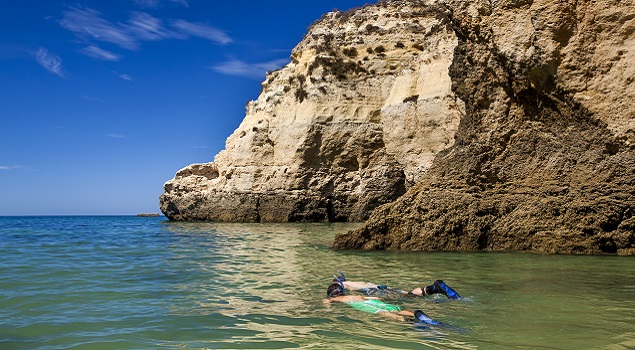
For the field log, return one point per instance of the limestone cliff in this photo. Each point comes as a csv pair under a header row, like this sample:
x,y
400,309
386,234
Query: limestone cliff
x,y
498,125
354,120
543,158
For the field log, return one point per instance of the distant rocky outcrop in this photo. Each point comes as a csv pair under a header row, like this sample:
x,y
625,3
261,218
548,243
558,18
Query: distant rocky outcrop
x,y
486,125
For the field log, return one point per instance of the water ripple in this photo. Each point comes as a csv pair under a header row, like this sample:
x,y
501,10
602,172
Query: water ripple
x,y
144,283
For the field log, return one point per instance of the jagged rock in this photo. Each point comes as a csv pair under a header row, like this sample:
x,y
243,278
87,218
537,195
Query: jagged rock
x,y
498,125
544,157
354,120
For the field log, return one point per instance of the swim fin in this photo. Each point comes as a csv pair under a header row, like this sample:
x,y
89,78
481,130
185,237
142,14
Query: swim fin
x,y
445,289
421,317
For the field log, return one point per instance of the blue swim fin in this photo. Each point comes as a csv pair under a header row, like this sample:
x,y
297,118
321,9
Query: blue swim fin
x,y
421,317
445,289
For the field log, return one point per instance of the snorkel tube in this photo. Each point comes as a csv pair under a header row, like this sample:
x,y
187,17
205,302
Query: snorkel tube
x,y
337,286
341,278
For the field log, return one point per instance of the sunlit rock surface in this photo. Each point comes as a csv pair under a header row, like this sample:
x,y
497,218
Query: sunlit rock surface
x,y
355,119
543,159
485,125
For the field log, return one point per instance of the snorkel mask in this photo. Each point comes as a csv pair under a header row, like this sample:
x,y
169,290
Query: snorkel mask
x,y
336,288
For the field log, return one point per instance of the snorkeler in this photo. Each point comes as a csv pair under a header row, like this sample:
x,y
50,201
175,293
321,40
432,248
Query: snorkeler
x,y
335,293
438,287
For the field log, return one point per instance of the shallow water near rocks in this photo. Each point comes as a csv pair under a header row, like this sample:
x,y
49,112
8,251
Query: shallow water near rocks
x,y
146,283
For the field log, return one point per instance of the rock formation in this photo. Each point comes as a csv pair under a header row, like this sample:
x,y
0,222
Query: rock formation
x,y
498,125
544,158
354,120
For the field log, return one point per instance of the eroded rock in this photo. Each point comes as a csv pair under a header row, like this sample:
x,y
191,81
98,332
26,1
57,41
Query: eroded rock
x,y
355,119
481,125
544,157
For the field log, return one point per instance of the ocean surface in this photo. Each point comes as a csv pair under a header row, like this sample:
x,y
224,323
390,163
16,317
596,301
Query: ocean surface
x,y
146,283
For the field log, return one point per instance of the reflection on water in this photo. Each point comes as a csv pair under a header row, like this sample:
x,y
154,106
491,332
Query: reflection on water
x,y
130,283
271,279
234,268
251,274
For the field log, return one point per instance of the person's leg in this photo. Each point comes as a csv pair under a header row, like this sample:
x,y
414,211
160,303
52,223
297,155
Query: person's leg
x,y
392,315
437,287
406,313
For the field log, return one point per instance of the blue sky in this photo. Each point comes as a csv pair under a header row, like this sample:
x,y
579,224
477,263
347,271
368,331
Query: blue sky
x,y
101,102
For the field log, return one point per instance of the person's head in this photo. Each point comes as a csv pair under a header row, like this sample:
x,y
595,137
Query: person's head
x,y
334,290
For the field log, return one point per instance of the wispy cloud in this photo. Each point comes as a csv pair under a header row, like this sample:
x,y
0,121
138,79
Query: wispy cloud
x,y
249,70
125,77
89,25
147,3
49,61
116,136
14,50
157,3
145,27
100,54
11,167
202,30
183,3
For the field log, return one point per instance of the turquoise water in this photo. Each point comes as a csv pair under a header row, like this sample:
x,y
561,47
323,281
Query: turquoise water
x,y
145,283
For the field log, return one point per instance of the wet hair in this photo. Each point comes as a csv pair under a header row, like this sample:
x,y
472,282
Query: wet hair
x,y
335,289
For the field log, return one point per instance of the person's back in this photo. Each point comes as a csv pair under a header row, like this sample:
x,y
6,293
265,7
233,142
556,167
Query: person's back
x,y
335,293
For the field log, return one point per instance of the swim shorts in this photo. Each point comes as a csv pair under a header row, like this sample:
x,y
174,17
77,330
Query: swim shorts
x,y
373,306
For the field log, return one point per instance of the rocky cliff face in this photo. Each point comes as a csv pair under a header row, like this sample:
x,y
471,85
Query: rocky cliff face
x,y
498,125
354,120
543,159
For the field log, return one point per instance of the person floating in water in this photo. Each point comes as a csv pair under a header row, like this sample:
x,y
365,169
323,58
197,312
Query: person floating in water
x,y
438,287
336,293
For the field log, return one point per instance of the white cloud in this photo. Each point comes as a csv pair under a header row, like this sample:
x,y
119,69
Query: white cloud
x,y
49,61
87,24
125,77
10,167
90,26
249,70
145,27
101,54
202,30
116,136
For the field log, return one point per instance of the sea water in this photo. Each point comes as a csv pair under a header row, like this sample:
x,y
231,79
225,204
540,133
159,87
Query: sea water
x,y
147,283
